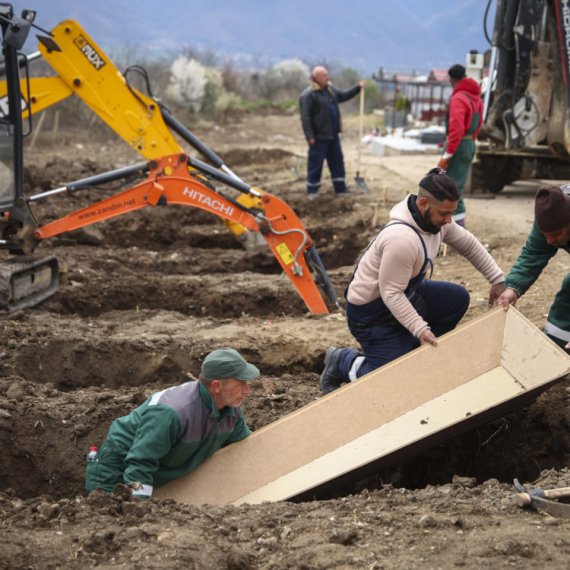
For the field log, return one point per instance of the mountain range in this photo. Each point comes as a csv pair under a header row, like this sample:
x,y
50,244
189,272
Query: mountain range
x,y
362,34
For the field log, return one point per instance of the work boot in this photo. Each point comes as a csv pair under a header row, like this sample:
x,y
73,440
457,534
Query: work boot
x,y
330,380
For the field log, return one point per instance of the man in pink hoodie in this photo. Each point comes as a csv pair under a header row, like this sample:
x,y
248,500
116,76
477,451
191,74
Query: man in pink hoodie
x,y
392,306
462,123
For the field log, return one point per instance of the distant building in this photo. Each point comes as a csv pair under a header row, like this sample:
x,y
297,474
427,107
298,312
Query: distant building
x,y
428,91
438,75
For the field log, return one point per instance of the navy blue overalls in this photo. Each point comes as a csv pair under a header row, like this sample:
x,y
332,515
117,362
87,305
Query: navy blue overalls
x,y
382,337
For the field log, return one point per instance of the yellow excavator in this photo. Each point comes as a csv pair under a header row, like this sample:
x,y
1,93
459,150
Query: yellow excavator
x,y
141,120
169,176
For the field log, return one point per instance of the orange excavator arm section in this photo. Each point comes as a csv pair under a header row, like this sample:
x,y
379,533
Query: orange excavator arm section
x,y
170,182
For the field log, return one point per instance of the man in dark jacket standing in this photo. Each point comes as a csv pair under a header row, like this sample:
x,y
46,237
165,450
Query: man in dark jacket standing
x,y
320,117
462,124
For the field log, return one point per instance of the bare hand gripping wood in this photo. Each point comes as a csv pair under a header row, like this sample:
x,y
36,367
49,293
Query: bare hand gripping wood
x,y
492,365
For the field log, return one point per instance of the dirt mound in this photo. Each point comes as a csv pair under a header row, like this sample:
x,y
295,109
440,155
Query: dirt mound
x,y
44,435
370,530
262,157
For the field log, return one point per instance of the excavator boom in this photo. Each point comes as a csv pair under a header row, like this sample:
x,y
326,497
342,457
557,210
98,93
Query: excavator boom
x,y
170,181
86,71
141,120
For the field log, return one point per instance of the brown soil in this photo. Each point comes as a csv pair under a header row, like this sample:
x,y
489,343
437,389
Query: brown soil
x,y
150,294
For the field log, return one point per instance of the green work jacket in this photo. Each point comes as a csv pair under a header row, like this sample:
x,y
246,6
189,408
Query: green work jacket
x,y
172,433
533,258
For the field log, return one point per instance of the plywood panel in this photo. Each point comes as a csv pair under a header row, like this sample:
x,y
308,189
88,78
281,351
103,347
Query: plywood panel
x,y
528,354
348,414
494,386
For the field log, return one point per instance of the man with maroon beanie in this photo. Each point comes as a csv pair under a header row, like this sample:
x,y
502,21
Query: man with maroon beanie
x,y
550,234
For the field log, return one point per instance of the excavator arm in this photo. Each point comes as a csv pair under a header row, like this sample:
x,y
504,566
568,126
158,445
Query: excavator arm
x,y
141,120
86,71
179,179
44,92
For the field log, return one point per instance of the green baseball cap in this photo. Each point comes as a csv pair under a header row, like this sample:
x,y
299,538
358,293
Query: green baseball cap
x,y
228,363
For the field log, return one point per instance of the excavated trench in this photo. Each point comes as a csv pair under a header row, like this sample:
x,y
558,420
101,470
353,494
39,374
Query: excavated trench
x,y
189,296
89,359
519,445
45,434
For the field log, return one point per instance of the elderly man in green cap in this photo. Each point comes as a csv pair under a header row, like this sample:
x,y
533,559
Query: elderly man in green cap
x,y
177,429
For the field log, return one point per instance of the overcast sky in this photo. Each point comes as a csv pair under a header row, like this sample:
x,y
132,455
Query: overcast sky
x,y
361,33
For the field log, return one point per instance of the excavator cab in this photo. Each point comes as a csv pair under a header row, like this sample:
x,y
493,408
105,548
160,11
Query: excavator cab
x,y
25,279
11,135
7,186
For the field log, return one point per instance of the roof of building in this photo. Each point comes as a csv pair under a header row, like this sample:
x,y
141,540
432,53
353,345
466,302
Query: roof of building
x,y
438,75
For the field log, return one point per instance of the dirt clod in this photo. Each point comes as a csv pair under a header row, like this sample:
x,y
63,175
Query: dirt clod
x,y
15,393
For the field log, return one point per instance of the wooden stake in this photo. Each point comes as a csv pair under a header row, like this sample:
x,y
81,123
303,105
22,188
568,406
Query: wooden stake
x,y
360,132
92,121
37,129
385,195
56,124
374,213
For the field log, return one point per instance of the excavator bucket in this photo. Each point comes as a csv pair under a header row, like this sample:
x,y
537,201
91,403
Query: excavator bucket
x,y
27,280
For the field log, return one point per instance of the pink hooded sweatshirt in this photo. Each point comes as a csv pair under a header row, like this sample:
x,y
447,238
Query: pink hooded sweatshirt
x,y
397,255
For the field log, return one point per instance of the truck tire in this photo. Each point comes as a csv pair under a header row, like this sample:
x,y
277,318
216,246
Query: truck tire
x,y
493,173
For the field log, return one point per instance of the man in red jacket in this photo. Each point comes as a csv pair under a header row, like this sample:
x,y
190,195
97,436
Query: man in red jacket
x,y
462,124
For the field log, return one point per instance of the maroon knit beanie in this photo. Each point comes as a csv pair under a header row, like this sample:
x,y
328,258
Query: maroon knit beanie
x,y
551,209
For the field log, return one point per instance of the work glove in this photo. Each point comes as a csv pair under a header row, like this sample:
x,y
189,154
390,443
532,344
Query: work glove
x,y
141,491
444,163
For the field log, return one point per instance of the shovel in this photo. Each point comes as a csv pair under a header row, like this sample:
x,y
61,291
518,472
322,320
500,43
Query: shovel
x,y
360,183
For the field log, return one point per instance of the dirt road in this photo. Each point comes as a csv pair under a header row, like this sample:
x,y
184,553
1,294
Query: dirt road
x,y
150,294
